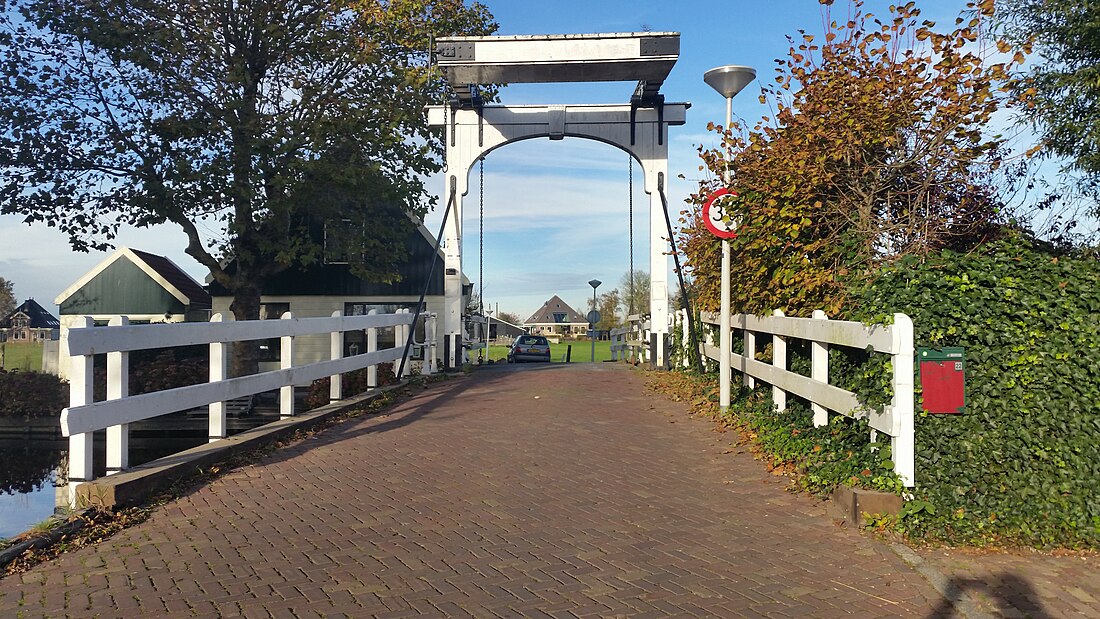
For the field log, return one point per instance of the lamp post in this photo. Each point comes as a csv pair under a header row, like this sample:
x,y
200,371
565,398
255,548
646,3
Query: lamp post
x,y
728,81
595,283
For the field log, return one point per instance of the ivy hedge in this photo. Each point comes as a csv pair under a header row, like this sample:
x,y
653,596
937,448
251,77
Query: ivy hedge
x,y
1022,464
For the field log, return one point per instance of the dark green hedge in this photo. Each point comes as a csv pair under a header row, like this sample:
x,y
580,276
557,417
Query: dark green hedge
x,y
30,395
1022,465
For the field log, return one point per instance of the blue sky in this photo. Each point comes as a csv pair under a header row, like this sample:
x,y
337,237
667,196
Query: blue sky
x,y
556,213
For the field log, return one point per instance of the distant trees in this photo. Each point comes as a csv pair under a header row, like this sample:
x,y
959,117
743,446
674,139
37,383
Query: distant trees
x,y
7,298
510,318
637,300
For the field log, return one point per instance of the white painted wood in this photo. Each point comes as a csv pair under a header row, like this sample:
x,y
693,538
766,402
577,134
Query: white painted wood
x,y
838,332
779,361
429,345
80,394
219,370
139,337
336,351
372,346
895,420
86,418
470,135
749,339
286,362
616,56
819,371
118,386
903,434
828,396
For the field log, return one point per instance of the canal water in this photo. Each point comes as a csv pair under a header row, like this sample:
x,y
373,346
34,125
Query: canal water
x,y
33,460
30,470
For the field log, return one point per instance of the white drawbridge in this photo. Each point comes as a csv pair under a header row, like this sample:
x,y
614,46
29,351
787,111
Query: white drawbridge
x,y
640,127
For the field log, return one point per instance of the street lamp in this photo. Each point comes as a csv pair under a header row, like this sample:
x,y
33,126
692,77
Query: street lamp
x,y
728,81
595,313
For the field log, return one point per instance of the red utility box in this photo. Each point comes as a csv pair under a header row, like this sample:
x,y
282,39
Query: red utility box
x,y
942,379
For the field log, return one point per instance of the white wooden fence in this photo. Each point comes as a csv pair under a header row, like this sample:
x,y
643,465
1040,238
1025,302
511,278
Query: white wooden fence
x,y
896,340
83,341
631,342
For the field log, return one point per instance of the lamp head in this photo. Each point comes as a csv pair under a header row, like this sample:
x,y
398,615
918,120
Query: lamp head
x,y
594,283
730,79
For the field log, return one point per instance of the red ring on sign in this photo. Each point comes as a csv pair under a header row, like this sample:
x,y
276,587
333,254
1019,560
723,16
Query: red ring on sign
x,y
721,233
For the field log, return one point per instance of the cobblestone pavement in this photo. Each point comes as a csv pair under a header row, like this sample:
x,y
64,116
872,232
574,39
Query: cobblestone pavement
x,y
1022,583
560,491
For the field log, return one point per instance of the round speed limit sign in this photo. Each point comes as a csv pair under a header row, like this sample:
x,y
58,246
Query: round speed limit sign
x,y
716,213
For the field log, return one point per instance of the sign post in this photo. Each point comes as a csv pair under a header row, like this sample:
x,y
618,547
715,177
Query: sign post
x,y
721,225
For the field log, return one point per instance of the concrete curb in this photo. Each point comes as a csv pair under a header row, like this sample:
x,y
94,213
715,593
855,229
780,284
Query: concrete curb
x,y
960,600
46,538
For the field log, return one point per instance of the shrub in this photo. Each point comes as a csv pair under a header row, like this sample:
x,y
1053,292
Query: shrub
x,y
351,383
31,395
1022,464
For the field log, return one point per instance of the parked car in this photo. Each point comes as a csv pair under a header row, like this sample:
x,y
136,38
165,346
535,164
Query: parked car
x,y
529,348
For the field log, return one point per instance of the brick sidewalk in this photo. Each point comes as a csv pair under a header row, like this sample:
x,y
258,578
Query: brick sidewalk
x,y
562,491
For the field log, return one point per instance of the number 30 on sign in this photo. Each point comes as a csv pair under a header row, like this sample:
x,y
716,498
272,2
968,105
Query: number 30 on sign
x,y
716,213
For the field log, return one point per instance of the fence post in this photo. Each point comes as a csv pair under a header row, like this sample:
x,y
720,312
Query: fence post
x,y
286,361
372,345
685,339
81,375
219,365
903,440
779,360
118,386
750,354
336,351
819,364
429,344
400,336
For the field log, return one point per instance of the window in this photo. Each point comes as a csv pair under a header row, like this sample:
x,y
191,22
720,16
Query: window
x,y
270,350
355,342
559,316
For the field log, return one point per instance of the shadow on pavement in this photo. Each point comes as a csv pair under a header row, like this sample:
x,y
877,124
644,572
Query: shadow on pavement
x,y
1012,594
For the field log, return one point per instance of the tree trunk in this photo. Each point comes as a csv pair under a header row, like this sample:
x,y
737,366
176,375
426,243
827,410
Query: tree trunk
x,y
245,306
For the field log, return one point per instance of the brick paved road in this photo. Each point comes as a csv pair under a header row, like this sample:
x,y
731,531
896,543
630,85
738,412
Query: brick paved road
x,y
536,491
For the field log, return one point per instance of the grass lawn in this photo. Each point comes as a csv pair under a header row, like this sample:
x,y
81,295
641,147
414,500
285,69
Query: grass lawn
x,y
582,351
22,356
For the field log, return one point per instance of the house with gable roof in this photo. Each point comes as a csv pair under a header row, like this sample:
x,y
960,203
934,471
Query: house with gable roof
x,y
144,287
30,322
556,317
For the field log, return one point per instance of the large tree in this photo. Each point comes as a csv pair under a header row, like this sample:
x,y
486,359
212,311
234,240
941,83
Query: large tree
x,y
1063,88
258,127
877,148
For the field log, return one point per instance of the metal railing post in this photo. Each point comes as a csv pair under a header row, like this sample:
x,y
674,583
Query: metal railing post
x,y
118,386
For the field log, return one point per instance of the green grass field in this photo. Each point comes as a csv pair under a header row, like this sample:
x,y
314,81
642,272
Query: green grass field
x,y
582,351
22,356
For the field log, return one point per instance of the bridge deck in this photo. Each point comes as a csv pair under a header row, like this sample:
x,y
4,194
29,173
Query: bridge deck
x,y
548,491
